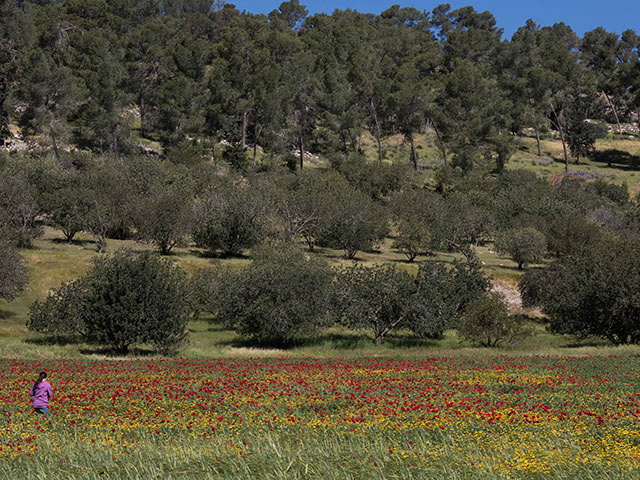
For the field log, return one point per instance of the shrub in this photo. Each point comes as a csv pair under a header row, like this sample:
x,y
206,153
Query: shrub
x,y
13,274
278,299
524,245
164,216
596,293
378,297
60,313
125,299
236,156
486,322
229,218
351,221
384,298
443,294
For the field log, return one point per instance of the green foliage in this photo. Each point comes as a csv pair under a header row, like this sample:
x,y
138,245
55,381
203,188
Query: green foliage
x,y
378,297
415,216
443,294
13,274
204,286
126,299
61,312
105,199
163,216
65,206
524,245
468,219
229,218
236,156
486,322
384,298
581,137
595,293
378,180
616,193
570,233
351,221
18,209
282,297
412,238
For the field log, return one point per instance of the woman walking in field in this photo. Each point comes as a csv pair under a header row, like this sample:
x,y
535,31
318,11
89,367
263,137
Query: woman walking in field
x,y
41,393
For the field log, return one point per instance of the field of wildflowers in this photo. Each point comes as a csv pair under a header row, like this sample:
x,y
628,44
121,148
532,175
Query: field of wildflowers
x,y
462,417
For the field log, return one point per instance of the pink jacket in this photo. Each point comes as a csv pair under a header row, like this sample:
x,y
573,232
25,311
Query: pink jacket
x,y
41,394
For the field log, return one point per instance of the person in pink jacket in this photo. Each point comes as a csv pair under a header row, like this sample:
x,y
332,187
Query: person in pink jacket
x,y
41,393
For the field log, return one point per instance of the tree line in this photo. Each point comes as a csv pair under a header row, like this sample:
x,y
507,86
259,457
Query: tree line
x,y
586,231
96,74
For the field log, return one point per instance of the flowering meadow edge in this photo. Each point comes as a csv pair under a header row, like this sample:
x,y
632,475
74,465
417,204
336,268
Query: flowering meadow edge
x,y
472,417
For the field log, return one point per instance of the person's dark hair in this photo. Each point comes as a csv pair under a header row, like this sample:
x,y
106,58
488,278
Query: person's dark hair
x,y
41,377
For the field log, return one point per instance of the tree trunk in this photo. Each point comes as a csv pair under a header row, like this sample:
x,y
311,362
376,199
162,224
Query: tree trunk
x,y
414,155
538,140
244,130
56,152
379,146
564,144
360,143
69,234
256,135
564,150
101,243
301,145
215,154
378,340
615,112
378,132
142,114
310,242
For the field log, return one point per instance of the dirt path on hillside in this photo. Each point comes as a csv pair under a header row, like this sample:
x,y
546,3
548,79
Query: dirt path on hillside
x,y
511,295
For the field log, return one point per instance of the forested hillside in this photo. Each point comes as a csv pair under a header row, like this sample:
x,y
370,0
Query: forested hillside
x,y
112,76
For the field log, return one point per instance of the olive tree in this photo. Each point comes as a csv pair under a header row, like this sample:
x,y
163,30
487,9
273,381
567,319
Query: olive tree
x,y
376,297
351,221
13,274
281,297
124,300
229,218
383,297
595,293
19,209
524,245
163,216
415,218
486,322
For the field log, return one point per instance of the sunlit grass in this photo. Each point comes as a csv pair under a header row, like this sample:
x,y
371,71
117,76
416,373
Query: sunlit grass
x,y
53,261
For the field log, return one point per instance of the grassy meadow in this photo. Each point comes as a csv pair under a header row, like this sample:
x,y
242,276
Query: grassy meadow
x,y
333,407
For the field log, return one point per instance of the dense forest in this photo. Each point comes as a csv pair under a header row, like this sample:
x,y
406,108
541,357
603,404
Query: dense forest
x,y
191,122
198,72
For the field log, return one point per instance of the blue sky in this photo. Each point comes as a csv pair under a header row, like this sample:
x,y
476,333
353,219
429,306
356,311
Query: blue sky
x,y
582,16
